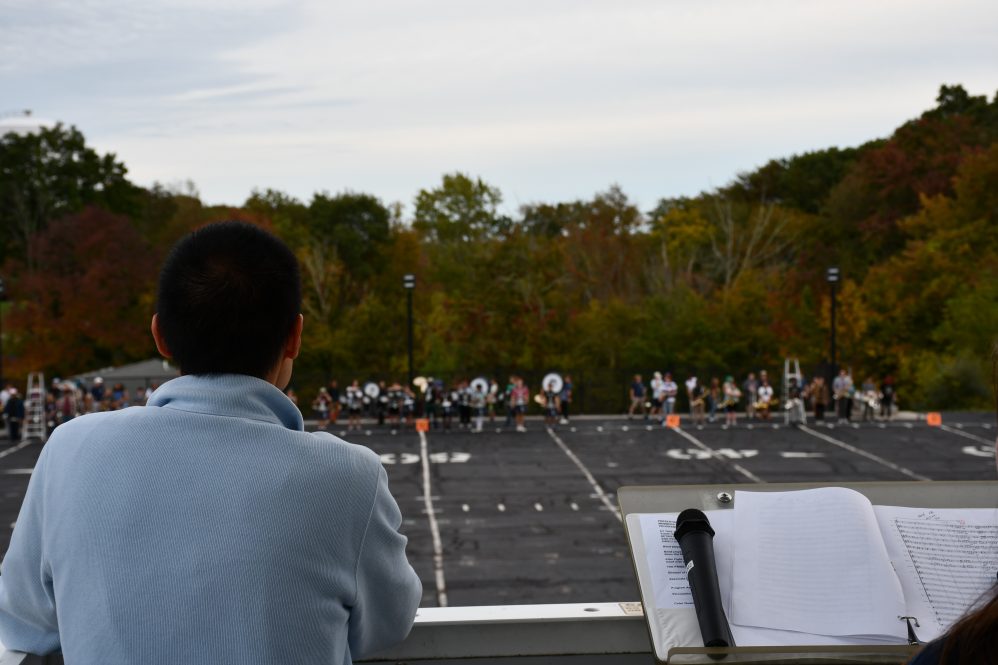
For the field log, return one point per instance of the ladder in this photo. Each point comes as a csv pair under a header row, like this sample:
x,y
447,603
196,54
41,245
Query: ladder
x,y
793,411
34,409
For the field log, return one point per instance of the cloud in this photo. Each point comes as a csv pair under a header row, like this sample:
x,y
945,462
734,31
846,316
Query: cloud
x,y
546,98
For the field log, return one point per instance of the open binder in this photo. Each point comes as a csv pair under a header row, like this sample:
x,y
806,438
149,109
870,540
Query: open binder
x,y
781,627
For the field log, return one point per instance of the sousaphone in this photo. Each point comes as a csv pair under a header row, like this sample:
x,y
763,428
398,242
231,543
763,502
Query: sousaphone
x,y
554,380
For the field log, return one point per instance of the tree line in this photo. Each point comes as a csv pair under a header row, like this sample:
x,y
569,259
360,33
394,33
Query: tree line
x,y
728,281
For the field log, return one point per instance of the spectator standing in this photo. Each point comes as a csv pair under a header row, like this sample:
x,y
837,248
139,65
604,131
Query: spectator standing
x,y
14,413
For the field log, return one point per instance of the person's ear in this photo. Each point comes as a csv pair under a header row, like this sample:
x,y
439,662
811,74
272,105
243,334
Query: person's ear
x,y
158,338
293,346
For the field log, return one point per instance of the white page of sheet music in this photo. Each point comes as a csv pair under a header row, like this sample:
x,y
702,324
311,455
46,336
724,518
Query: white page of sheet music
x,y
946,558
813,561
665,558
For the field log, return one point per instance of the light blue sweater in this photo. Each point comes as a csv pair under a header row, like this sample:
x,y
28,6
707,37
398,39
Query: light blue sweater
x,y
207,526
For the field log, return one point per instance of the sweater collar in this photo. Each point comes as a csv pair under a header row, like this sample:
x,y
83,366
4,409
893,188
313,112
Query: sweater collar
x,y
234,395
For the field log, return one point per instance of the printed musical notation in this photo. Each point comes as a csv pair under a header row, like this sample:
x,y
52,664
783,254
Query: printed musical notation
x,y
955,561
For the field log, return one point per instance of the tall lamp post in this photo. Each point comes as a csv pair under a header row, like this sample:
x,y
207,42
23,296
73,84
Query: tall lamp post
x,y
409,283
833,280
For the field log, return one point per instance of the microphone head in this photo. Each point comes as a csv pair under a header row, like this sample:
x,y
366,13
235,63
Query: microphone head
x,y
692,520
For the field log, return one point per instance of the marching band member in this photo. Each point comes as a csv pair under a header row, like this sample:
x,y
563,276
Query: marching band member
x,y
431,399
669,391
731,396
448,404
320,406
551,405
795,403
334,405
565,398
408,406
691,384
519,398
637,395
765,395
510,408
842,390
464,403
381,406
657,395
355,402
817,392
698,397
492,399
751,388
477,400
871,399
714,397
888,395
394,404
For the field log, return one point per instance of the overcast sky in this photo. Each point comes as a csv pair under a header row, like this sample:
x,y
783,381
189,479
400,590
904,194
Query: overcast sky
x,y
549,100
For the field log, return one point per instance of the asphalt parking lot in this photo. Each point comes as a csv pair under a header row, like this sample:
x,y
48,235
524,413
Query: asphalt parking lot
x,y
501,517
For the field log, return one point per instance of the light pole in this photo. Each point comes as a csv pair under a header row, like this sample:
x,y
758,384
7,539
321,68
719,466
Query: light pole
x,y
409,283
833,280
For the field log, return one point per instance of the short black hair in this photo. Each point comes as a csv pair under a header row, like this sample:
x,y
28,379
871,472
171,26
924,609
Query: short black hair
x,y
229,296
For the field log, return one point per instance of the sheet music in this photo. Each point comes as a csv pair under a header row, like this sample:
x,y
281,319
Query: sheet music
x,y
667,575
813,561
665,558
945,558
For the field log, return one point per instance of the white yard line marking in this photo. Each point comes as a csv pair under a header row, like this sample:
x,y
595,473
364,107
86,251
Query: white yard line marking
x,y
10,451
582,467
438,548
716,455
967,435
19,472
862,453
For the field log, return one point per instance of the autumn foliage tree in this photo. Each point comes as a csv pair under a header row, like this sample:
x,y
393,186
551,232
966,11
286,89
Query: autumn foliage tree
x,y
726,281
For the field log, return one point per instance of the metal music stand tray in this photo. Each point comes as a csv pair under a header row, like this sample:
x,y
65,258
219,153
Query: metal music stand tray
x,y
674,632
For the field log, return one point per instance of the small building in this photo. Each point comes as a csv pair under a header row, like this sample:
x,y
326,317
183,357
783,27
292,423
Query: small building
x,y
145,374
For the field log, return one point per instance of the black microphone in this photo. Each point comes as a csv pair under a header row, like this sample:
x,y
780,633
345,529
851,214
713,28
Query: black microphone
x,y
696,540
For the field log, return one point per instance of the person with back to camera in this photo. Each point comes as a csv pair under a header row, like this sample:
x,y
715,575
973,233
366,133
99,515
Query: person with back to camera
x,y
208,526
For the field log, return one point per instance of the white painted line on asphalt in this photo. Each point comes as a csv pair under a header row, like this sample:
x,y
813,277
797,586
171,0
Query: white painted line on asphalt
x,y
438,548
862,453
589,476
465,507
501,507
967,435
574,506
11,451
716,455
790,454
19,472
538,507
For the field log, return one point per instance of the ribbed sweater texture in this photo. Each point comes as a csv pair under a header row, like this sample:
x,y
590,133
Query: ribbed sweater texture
x,y
206,526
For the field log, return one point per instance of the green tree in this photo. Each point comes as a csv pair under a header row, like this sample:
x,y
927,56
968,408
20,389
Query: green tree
x,y
461,209
50,174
